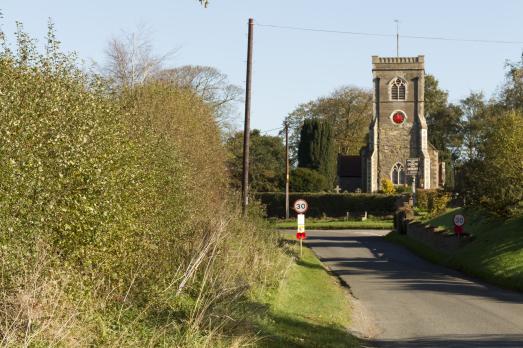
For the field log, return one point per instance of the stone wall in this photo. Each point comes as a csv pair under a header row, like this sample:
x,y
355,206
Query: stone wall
x,y
396,142
436,240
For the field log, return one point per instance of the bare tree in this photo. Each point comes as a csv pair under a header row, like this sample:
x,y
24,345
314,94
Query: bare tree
x,y
210,84
130,58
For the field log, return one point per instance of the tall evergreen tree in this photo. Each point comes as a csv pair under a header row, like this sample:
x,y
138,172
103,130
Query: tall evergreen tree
x,y
316,148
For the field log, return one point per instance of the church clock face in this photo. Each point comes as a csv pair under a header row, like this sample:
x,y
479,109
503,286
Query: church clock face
x,y
398,117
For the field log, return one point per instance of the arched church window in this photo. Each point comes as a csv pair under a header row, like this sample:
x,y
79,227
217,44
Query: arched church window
x,y
398,89
398,174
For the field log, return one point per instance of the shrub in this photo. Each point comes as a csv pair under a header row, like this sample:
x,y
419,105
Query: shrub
x,y
330,204
422,199
438,202
403,189
387,186
307,180
432,201
116,227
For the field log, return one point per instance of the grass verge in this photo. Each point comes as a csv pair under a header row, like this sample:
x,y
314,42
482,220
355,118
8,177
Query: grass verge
x,y
495,255
334,224
309,309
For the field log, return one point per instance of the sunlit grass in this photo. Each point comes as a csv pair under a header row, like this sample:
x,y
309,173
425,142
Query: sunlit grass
x,y
310,309
325,224
495,254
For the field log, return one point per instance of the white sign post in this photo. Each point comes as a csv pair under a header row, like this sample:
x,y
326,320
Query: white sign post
x,y
301,206
412,170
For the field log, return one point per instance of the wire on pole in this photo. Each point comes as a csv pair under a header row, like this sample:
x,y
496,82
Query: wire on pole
x,y
358,33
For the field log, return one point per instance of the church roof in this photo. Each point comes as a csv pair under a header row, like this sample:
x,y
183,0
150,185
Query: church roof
x,y
349,166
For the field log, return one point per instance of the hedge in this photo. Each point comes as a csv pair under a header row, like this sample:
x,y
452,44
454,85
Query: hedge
x,y
330,204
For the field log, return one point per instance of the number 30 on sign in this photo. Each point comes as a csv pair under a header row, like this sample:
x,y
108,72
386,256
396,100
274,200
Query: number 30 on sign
x,y
301,206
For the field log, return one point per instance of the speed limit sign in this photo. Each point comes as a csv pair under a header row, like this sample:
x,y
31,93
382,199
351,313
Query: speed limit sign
x,y
301,206
459,220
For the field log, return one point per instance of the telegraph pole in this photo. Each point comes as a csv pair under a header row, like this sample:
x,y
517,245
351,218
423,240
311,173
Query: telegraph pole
x,y
247,124
286,169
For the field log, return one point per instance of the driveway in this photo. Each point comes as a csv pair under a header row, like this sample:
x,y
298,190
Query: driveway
x,y
413,303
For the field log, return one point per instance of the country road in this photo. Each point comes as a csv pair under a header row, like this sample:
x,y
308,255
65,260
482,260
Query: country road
x,y
409,302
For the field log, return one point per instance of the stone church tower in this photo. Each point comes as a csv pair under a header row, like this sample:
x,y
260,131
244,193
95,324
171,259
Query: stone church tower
x,y
398,130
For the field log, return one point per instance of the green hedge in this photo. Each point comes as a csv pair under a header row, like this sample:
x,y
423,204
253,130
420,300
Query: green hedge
x,y
330,204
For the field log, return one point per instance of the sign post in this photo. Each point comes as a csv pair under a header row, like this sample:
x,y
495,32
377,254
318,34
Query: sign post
x,y
301,206
412,170
459,221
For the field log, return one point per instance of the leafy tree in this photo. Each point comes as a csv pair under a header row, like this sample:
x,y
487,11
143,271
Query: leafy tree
x,y
444,122
474,124
347,109
501,157
266,165
316,150
307,180
436,99
511,96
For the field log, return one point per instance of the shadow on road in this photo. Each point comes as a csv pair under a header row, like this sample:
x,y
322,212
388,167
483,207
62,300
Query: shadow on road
x,y
461,341
390,261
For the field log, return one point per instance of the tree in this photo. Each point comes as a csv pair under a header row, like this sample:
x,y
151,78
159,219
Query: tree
x,y
130,58
511,96
474,124
444,122
266,165
316,148
500,157
307,180
210,84
349,112
436,99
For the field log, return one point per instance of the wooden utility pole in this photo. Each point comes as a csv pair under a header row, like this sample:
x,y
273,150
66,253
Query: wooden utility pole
x,y
247,124
287,169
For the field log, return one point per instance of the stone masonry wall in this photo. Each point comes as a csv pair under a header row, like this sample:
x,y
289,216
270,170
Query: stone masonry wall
x,y
398,142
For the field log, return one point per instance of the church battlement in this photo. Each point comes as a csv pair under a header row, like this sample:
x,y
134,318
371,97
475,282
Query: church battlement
x,y
398,60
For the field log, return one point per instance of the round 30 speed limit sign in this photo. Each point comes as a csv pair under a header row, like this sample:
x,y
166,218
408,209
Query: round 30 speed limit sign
x,y
300,206
459,220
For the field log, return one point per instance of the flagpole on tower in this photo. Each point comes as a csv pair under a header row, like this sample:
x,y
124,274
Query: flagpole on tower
x,y
397,37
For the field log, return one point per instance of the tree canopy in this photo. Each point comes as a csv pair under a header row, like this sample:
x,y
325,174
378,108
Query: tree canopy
x,y
266,165
348,110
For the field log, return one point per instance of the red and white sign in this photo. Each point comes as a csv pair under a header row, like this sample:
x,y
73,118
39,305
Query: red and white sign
x,y
300,206
301,235
459,220
301,227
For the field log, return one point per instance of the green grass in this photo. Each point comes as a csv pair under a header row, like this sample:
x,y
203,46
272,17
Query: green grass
x,y
495,255
309,309
334,224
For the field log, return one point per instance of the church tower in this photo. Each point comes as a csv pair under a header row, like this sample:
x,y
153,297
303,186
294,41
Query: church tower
x,y
398,130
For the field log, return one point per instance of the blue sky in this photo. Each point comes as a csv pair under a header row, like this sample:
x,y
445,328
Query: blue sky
x,y
292,67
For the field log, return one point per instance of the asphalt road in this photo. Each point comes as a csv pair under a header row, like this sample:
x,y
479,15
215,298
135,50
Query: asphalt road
x,y
413,303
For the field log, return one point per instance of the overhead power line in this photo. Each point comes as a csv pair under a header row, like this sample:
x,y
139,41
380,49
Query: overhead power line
x,y
272,130
357,33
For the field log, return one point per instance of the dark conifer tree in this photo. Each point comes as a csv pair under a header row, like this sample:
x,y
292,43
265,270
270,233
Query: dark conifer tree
x,y
316,148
